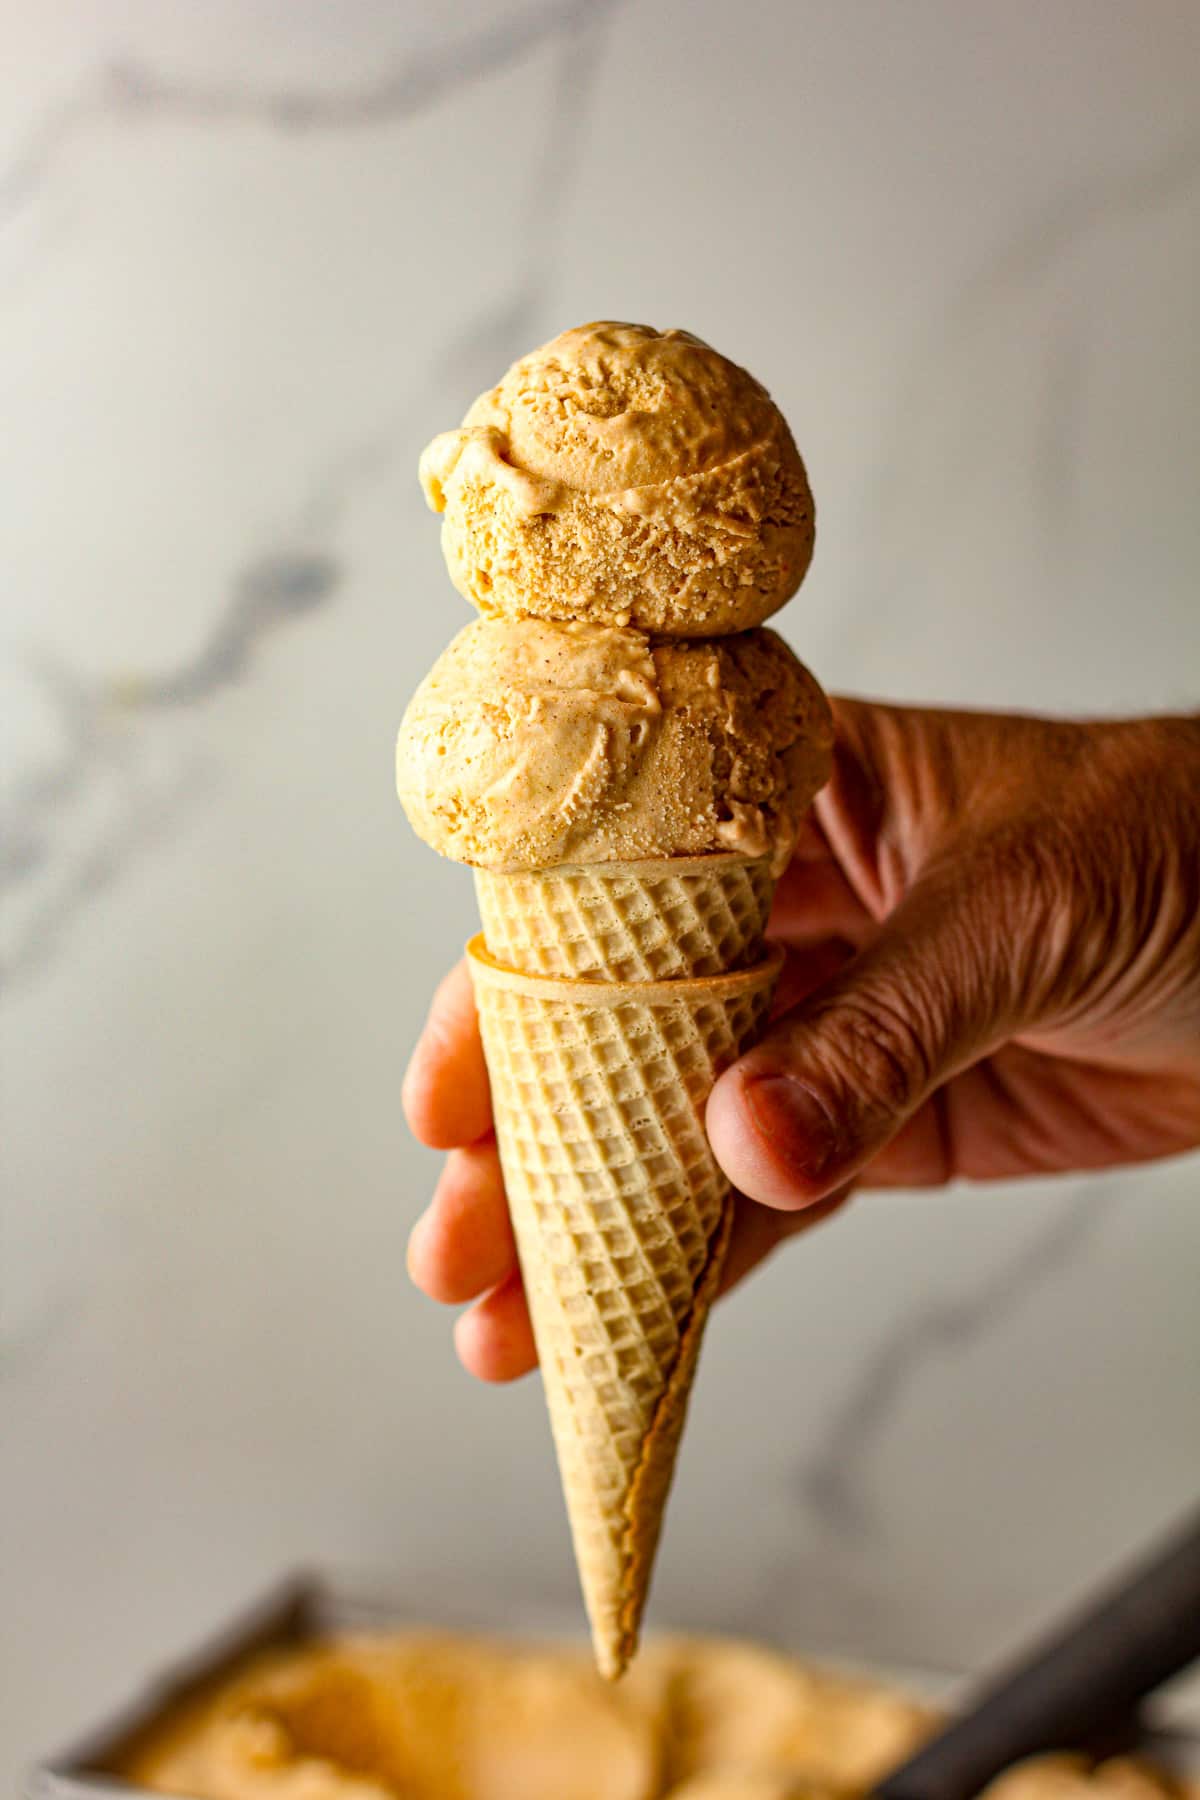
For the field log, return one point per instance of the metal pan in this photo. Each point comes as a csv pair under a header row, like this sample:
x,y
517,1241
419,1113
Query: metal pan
x,y
305,1606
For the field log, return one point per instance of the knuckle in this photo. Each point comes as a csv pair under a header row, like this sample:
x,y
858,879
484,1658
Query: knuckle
x,y
441,1030
1058,910
1022,906
878,1047
447,1005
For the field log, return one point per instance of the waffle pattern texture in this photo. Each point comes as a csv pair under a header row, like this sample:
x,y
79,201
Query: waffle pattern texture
x,y
662,920
621,1217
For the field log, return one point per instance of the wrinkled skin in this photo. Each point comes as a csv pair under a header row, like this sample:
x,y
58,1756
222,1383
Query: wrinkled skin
x,y
993,934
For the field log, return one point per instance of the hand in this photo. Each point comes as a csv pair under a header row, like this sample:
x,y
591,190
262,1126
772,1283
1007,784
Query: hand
x,y
993,928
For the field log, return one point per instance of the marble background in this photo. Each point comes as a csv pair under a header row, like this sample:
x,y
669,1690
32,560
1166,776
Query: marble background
x,y
252,254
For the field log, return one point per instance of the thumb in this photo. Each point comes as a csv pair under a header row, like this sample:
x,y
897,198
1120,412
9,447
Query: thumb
x,y
834,1079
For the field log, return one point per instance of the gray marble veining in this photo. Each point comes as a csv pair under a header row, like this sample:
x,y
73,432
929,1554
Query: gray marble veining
x,y
134,92
829,1476
288,580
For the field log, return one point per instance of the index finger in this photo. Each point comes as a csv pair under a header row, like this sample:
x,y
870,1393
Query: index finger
x,y
446,1096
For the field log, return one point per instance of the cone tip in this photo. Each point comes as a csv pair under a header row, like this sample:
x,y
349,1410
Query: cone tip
x,y
614,1653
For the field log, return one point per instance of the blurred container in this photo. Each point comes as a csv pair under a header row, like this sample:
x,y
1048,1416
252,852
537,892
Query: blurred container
x,y
308,1606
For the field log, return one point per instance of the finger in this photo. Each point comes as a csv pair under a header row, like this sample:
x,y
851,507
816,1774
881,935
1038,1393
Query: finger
x,y
446,1097
805,969
463,1244
814,901
921,1154
811,845
494,1339
834,1080
758,1230
1023,1113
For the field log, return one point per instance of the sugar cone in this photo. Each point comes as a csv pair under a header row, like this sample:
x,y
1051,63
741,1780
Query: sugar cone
x,y
622,1217
659,920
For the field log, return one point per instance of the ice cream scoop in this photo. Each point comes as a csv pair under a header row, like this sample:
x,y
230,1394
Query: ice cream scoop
x,y
624,476
531,744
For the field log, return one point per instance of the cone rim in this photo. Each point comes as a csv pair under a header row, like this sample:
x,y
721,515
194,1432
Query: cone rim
x,y
616,993
703,863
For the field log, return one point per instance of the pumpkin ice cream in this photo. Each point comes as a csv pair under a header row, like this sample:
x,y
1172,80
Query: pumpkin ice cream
x,y
623,755
425,1716
530,744
625,476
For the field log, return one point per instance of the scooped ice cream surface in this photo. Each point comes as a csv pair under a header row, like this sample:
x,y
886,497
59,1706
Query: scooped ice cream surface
x,y
531,744
423,1716
430,1717
626,476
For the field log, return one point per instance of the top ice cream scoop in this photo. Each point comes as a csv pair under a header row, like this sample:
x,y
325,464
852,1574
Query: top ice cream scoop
x,y
624,476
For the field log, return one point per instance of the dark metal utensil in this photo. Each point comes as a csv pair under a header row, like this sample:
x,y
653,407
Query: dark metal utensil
x,y
1084,1678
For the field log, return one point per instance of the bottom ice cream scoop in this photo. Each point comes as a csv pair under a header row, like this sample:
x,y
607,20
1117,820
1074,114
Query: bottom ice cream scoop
x,y
531,744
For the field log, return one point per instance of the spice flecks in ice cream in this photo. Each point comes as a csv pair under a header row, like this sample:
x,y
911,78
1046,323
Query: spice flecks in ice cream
x,y
625,476
531,744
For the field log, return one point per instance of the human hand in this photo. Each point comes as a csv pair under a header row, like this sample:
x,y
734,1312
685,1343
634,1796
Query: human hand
x,y
993,934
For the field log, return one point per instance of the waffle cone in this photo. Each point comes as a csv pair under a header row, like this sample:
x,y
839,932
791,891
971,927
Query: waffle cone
x,y
661,920
622,1217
